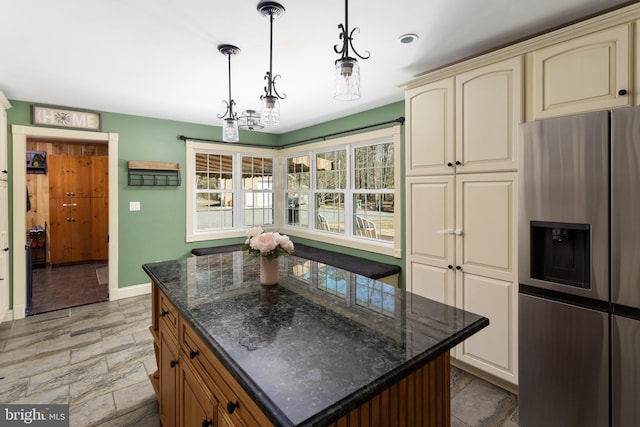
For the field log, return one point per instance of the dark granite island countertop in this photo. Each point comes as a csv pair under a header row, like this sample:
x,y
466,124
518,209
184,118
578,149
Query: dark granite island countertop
x,y
318,344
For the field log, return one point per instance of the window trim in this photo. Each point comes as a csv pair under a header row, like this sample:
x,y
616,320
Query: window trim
x,y
392,134
191,234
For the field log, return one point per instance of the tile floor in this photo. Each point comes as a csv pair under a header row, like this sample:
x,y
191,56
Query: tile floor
x,y
97,357
55,288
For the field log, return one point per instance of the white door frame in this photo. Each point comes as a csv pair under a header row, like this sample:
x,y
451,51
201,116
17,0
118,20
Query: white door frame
x,y
19,173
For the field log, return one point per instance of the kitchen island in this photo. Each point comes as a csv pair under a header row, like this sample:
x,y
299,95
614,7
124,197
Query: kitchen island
x,y
323,347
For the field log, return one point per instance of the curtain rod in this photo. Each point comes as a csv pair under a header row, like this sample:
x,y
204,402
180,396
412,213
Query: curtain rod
x,y
185,138
324,137
321,137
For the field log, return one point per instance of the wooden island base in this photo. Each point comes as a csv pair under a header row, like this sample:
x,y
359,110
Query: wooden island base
x,y
420,399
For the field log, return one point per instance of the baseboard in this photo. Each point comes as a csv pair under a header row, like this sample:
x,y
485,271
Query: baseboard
x,y
131,291
505,385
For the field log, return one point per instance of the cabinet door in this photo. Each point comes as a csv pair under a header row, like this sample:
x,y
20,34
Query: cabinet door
x,y
168,371
486,283
4,247
196,406
81,229
100,176
99,228
488,111
60,231
430,129
70,175
4,174
583,74
430,238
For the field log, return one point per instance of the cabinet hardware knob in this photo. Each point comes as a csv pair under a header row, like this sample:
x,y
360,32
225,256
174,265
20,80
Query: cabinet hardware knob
x,y
458,268
173,363
5,171
68,219
6,249
458,162
164,313
458,232
450,267
622,92
193,354
231,406
207,423
450,164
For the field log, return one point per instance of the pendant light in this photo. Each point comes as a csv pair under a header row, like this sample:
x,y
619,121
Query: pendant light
x,y
347,70
270,114
230,126
250,119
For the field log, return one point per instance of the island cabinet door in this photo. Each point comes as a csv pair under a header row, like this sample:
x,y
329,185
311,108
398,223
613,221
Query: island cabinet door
x,y
168,371
197,407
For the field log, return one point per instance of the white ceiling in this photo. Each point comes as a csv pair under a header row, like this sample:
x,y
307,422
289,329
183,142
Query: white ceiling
x,y
159,58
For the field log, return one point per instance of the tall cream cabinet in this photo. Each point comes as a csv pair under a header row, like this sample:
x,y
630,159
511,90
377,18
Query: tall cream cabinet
x,y
466,123
461,247
461,200
587,73
4,211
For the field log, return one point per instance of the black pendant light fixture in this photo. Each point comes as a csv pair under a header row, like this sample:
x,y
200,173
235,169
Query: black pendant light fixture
x,y
270,114
230,126
347,72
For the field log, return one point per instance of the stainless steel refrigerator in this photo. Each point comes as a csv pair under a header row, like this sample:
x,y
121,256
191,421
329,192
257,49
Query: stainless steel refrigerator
x,y
579,271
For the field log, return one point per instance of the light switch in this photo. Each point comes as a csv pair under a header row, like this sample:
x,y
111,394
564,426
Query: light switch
x,y
134,206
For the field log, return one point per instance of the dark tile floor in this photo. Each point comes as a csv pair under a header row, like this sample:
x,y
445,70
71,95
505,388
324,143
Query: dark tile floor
x,y
55,288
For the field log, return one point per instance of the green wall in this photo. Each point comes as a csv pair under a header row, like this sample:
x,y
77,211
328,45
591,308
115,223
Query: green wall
x,y
157,231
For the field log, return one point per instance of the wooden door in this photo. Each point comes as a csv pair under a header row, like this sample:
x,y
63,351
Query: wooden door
x,y
488,112
168,380
100,176
81,176
60,231
430,129
196,406
99,228
59,171
81,229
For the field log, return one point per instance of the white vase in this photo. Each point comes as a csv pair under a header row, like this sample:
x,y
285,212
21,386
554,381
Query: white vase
x,y
269,271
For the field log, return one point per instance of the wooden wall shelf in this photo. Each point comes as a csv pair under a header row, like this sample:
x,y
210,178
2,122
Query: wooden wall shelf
x,y
154,174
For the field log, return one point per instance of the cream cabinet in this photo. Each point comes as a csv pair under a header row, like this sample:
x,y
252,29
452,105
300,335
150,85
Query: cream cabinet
x,y
429,135
4,211
4,106
461,251
467,123
586,73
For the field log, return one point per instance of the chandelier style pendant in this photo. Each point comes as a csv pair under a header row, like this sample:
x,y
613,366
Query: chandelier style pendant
x,y
230,126
270,114
347,71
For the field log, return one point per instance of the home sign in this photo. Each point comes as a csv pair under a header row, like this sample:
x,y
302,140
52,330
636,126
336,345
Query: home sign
x,y
50,116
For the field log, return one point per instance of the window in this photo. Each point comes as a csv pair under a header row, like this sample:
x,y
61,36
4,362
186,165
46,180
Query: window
x,y
214,191
352,188
230,191
257,189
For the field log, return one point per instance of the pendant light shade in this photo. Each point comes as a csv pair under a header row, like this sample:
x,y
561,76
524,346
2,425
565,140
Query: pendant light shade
x,y
230,126
230,130
347,71
270,114
347,79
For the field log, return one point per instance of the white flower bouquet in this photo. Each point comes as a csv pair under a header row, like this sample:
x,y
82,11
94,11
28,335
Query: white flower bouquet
x,y
267,244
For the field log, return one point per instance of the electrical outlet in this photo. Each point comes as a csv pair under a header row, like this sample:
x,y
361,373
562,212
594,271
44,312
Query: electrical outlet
x,y
134,206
